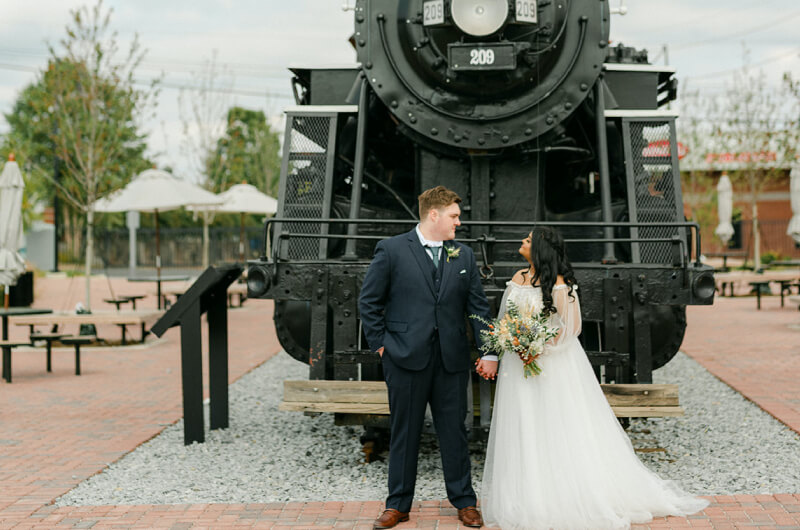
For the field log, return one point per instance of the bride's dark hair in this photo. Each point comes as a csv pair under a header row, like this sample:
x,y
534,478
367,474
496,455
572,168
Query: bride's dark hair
x,y
549,258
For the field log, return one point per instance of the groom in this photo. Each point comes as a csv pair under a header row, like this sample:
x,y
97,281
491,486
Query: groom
x,y
417,292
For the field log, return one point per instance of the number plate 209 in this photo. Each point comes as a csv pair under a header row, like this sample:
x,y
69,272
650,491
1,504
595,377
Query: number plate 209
x,y
482,56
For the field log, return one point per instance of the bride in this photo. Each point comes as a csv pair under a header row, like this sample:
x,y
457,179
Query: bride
x,y
557,456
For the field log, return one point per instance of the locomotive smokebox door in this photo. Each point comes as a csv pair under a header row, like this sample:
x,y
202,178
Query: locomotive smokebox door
x,y
481,75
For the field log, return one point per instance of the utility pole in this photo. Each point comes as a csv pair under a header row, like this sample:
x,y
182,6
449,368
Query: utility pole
x,y
56,223
665,51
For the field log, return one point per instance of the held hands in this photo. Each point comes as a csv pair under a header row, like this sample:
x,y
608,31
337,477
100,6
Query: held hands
x,y
486,369
380,351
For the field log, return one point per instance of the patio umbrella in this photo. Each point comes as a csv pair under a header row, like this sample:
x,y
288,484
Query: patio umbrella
x,y
243,199
724,229
794,225
11,263
153,191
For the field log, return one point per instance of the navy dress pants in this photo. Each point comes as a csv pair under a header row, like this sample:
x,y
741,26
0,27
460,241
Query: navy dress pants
x,y
409,393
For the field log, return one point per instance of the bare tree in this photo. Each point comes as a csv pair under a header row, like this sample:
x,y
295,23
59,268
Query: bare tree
x,y
695,131
202,112
754,125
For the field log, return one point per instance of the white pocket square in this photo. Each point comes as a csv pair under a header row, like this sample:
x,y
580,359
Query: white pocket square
x,y
463,271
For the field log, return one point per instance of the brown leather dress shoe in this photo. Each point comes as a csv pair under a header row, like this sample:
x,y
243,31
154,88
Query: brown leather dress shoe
x,y
470,516
389,519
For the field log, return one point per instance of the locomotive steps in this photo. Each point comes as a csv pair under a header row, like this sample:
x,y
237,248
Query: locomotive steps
x,y
370,397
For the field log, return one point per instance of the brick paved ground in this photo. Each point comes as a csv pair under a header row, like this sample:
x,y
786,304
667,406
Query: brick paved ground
x,y
757,353
725,512
58,429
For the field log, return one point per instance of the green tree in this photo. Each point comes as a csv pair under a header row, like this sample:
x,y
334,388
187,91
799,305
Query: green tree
x,y
249,151
84,109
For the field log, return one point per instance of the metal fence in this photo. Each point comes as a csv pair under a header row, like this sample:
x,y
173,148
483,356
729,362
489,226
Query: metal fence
x,y
181,248
773,239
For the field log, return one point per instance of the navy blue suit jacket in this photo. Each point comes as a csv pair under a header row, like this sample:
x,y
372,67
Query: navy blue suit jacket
x,y
401,309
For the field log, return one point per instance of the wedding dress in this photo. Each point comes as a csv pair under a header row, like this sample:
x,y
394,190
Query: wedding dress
x,y
557,457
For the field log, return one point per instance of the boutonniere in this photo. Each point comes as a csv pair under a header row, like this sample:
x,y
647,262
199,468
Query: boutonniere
x,y
452,252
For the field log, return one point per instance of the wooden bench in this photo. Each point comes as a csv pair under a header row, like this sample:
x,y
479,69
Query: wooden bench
x,y
133,298
49,339
7,346
371,397
795,300
77,341
786,287
117,301
239,289
144,319
759,286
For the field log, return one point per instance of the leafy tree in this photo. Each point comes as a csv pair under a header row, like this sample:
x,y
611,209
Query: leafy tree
x,y
83,109
249,151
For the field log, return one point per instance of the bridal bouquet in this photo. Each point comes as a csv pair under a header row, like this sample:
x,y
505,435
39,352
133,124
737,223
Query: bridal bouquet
x,y
523,334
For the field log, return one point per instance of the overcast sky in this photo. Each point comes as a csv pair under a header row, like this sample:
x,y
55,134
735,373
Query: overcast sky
x,y
255,41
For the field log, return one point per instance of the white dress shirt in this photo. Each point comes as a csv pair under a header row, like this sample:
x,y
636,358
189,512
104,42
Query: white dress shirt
x,y
428,243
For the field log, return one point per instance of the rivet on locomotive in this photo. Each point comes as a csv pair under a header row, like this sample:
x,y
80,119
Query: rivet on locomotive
x,y
524,109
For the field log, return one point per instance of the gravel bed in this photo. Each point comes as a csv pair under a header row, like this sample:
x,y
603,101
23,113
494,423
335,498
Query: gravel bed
x,y
723,445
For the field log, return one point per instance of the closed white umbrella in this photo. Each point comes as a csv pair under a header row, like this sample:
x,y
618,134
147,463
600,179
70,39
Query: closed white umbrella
x,y
11,263
155,190
794,225
243,199
724,229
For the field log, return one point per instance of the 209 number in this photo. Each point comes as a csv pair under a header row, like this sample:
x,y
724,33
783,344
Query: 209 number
x,y
433,12
481,57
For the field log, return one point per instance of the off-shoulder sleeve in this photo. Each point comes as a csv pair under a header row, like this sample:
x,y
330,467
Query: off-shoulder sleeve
x,y
504,301
568,314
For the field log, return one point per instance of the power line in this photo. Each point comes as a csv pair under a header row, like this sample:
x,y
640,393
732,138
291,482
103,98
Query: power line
x,y
719,73
246,69
738,34
173,85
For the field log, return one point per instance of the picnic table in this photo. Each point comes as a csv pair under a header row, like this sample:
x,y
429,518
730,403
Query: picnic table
x,y
158,279
758,281
144,318
19,311
786,263
124,299
238,289
725,256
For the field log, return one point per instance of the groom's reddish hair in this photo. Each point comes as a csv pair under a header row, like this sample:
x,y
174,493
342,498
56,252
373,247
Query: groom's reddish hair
x,y
436,198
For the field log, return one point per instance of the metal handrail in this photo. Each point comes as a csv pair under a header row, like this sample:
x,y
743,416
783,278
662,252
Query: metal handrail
x,y
691,225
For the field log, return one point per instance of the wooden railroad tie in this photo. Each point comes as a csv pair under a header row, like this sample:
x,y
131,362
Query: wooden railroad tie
x,y
370,397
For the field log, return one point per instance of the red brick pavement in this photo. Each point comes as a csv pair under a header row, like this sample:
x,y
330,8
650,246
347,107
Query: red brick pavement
x,y
58,429
725,512
757,353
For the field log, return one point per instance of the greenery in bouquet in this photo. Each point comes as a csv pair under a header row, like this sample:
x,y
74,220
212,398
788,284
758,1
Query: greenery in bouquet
x,y
522,333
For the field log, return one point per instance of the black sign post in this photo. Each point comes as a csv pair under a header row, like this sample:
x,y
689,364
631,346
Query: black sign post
x,y
208,294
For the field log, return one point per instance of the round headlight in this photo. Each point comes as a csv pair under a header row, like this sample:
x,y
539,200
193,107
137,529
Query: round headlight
x,y
704,286
479,17
258,281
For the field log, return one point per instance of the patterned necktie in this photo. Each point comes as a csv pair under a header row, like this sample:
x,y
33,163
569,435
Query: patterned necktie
x,y
434,252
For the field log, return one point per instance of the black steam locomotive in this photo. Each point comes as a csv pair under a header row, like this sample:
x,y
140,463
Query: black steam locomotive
x,y
522,108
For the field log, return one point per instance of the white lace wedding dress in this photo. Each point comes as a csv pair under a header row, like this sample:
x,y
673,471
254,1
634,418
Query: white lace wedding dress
x,y
557,456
